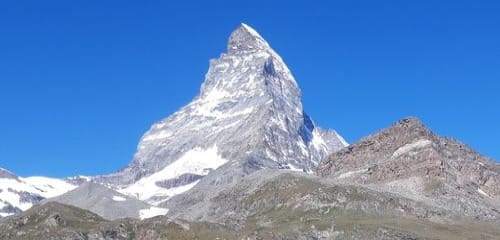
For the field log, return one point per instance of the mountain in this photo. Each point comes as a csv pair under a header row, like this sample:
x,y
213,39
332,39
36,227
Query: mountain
x,y
107,203
236,163
410,160
18,194
248,116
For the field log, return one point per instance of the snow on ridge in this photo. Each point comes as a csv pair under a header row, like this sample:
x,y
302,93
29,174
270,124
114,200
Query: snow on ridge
x,y
5,170
411,147
341,139
196,161
251,30
119,199
41,186
50,187
159,135
86,178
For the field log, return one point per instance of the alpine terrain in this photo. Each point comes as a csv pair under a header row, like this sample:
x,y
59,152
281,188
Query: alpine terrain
x,y
244,161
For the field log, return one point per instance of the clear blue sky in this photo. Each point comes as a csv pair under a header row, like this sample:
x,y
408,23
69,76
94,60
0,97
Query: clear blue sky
x,y
81,81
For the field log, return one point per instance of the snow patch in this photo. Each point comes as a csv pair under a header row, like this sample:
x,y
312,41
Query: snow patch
x,y
119,199
152,212
5,214
196,161
50,187
317,141
158,135
41,186
411,147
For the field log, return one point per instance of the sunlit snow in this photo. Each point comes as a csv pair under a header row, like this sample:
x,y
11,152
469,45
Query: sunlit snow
x,y
196,161
411,147
152,212
119,199
42,186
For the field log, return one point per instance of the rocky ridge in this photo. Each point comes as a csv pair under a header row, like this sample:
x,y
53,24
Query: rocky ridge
x,y
410,160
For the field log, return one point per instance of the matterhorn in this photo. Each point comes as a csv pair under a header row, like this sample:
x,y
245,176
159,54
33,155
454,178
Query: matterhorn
x,y
248,116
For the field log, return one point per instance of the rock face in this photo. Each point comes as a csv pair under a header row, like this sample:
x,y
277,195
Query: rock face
x,y
410,160
247,116
106,202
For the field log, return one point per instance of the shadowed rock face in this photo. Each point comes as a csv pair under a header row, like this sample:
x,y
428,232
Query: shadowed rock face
x,y
408,159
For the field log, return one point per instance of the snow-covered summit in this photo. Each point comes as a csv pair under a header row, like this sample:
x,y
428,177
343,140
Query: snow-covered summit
x,y
247,116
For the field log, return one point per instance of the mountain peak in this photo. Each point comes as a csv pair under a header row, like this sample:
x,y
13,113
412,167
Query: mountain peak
x,y
408,128
245,38
247,116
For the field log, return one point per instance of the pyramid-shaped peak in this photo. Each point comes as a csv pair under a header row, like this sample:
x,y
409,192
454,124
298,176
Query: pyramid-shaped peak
x,y
245,38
